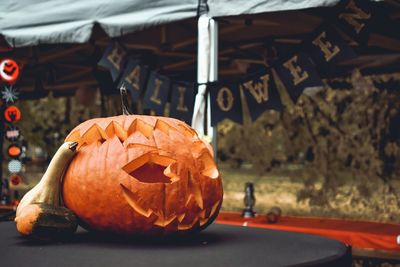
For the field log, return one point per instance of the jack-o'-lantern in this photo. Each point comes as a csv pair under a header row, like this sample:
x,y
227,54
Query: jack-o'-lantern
x,y
141,174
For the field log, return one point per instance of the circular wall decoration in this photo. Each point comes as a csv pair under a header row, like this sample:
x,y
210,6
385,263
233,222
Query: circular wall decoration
x,y
15,179
9,71
12,114
14,151
12,133
14,166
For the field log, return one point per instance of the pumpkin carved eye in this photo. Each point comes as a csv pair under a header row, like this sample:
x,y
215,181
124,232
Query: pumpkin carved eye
x,y
151,168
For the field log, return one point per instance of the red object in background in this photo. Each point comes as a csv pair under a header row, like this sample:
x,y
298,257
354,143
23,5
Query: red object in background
x,y
12,114
14,151
9,71
358,234
15,179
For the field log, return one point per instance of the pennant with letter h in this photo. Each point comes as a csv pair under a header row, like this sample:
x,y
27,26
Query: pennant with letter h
x,y
182,101
260,93
225,103
113,59
156,94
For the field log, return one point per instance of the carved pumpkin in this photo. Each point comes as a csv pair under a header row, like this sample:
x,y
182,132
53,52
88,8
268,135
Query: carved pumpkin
x,y
141,174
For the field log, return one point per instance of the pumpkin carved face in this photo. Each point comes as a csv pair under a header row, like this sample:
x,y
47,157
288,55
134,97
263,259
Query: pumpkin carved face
x,y
141,174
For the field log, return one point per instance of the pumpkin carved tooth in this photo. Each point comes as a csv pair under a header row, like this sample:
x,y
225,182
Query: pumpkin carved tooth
x,y
39,213
152,173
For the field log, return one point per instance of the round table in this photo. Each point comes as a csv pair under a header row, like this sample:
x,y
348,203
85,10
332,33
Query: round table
x,y
218,245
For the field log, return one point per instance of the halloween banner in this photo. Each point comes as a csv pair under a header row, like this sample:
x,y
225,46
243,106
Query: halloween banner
x,y
156,94
113,59
260,93
182,101
354,17
327,48
225,103
134,78
297,73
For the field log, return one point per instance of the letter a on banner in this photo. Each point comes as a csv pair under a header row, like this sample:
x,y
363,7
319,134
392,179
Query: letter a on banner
x,y
225,103
113,59
156,94
182,101
134,78
328,48
260,93
297,73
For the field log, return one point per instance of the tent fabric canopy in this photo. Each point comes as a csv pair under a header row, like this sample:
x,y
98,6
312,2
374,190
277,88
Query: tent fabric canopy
x,y
34,22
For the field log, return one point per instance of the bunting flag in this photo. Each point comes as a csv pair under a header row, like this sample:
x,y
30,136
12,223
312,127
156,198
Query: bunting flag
x,y
260,93
134,78
225,103
354,17
156,94
113,59
327,48
297,73
182,101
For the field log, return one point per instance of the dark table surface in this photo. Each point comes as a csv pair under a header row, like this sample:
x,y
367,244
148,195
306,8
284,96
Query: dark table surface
x,y
218,245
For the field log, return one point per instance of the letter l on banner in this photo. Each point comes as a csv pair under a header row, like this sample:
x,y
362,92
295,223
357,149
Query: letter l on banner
x,y
207,71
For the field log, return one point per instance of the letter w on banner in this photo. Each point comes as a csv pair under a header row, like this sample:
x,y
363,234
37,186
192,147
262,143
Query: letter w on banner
x,y
297,73
156,94
225,103
260,93
328,48
182,101
113,59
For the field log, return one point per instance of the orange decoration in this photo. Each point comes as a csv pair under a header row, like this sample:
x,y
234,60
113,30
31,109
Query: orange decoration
x,y
12,114
141,174
9,71
14,151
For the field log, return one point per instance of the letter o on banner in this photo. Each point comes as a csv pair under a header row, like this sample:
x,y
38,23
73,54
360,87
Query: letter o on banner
x,y
225,93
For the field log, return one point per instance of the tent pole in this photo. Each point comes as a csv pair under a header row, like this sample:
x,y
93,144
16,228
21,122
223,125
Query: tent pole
x,y
213,76
207,71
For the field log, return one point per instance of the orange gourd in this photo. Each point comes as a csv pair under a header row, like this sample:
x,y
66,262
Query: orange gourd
x,y
141,174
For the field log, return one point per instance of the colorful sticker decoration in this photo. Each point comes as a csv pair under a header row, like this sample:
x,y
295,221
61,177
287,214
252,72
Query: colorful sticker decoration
x,y
12,114
9,71
12,133
15,179
14,166
9,94
14,151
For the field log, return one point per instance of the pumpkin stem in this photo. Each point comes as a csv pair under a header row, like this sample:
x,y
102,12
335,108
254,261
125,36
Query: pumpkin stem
x,y
124,101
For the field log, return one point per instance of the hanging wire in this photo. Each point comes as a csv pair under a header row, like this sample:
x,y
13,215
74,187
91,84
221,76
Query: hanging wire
x,y
124,100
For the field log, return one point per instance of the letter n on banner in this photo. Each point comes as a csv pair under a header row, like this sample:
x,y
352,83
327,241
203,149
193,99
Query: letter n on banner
x,y
113,59
354,17
260,93
134,78
156,94
182,101
297,73
225,103
328,48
